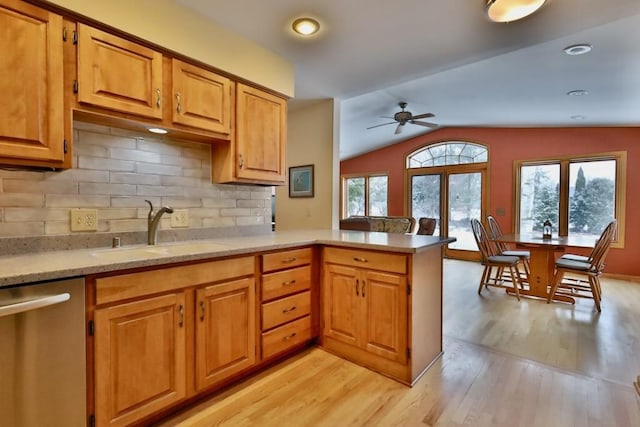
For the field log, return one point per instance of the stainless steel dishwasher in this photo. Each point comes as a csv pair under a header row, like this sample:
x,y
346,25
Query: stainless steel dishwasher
x,y
42,355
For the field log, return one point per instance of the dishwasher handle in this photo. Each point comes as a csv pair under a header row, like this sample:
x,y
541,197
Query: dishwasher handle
x,y
20,307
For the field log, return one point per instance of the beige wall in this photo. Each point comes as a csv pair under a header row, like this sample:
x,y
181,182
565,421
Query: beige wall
x,y
114,172
167,24
310,141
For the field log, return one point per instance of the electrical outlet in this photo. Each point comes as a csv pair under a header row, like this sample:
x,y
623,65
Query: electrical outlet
x,y
180,218
84,220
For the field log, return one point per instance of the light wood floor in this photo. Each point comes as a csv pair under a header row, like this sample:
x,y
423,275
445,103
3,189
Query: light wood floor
x,y
505,364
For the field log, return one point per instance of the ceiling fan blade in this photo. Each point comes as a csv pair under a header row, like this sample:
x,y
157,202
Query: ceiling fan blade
x,y
383,124
422,116
399,128
425,124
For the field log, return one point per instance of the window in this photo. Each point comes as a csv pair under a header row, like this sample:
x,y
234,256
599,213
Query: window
x,y
578,195
365,195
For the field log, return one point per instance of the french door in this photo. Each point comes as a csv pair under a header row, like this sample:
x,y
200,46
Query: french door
x,y
453,195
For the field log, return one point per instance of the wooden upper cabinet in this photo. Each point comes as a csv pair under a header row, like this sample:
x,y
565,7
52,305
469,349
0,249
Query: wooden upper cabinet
x,y
201,98
31,85
117,74
261,133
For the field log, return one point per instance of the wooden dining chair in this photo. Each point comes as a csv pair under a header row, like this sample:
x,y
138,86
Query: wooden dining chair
x,y
591,269
496,232
491,258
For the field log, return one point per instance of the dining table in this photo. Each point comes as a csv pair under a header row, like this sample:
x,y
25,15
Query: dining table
x,y
543,257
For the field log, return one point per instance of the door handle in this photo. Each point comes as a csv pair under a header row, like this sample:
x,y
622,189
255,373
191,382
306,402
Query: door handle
x,y
181,315
21,307
362,289
201,310
357,283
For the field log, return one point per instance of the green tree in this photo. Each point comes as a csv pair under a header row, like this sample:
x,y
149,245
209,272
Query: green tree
x,y
545,203
599,201
578,209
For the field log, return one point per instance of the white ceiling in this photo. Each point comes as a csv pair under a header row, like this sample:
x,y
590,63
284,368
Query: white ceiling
x,y
446,57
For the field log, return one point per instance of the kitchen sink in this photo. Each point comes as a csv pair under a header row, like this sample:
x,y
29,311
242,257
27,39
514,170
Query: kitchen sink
x,y
135,253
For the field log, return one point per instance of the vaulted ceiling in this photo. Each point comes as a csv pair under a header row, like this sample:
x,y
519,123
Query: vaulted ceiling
x,y
447,58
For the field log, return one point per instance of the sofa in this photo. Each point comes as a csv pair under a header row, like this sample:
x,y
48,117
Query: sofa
x,y
385,224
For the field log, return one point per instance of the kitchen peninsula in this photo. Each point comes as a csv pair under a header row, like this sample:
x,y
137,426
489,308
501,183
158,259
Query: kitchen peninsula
x,y
221,309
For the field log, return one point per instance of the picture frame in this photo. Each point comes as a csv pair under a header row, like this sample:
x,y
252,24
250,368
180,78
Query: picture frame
x,y
301,181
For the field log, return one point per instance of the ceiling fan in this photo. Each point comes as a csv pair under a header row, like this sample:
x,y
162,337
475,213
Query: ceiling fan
x,y
403,117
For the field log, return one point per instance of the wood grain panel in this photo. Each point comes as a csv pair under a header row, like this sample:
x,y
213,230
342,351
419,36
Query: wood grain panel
x,y
286,336
275,285
285,309
385,261
286,259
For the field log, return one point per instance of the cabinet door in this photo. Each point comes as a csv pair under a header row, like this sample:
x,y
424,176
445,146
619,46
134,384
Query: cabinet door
x,y
31,86
225,330
385,322
118,74
341,303
139,358
260,135
201,99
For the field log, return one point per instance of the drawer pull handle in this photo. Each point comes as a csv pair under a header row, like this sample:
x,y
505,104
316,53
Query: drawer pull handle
x,y
358,259
288,337
181,314
289,282
289,260
288,310
201,310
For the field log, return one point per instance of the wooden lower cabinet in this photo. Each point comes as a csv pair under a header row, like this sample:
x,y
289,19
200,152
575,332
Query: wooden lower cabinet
x,y
225,330
367,309
140,358
383,310
164,335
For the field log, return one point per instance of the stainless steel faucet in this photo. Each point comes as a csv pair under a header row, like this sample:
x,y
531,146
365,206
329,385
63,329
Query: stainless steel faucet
x,y
153,218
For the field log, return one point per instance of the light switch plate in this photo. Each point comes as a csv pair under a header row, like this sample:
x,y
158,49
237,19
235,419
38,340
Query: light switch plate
x,y
180,218
84,220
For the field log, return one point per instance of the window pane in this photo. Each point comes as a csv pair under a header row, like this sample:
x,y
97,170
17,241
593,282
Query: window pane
x,y
425,198
378,195
539,197
592,187
355,196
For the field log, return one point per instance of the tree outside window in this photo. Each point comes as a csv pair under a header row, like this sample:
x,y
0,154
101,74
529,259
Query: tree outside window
x,y
365,195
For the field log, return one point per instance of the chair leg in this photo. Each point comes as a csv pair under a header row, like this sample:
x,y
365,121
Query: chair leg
x,y
519,278
593,281
483,279
556,282
515,282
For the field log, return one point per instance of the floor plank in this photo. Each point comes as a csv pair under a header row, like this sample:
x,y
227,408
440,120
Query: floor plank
x,y
505,363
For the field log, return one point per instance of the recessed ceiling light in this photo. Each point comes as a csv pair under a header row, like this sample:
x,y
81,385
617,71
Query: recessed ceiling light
x,y
578,92
577,49
578,117
159,131
511,10
305,26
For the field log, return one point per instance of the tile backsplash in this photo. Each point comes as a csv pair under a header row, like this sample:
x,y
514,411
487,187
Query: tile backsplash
x,y
114,171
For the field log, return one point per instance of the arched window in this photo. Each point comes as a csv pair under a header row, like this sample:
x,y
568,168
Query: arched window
x,y
447,153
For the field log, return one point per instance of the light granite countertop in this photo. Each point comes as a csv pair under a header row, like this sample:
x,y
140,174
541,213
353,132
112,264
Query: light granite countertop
x,y
43,266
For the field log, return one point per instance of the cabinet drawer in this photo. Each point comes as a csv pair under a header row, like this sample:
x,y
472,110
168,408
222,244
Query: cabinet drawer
x,y
286,336
285,282
286,259
286,309
384,261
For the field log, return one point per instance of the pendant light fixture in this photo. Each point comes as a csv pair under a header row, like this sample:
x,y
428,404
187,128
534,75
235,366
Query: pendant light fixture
x,y
511,10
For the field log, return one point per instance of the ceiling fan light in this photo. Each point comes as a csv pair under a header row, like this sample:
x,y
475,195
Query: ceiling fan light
x,y
512,10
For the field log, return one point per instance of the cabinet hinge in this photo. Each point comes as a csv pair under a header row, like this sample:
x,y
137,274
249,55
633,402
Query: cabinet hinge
x,y
75,37
408,353
408,289
64,34
75,86
65,146
91,328
92,420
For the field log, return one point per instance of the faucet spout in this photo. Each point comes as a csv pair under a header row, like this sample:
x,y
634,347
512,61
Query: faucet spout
x,y
153,219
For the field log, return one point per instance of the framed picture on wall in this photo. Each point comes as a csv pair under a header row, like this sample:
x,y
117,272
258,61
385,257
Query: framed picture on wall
x,y
301,181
